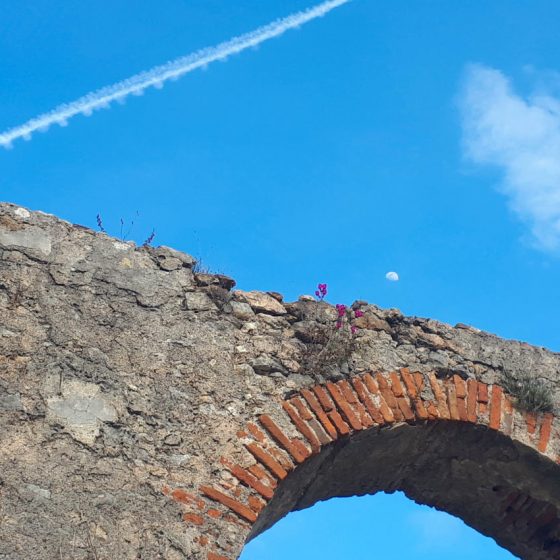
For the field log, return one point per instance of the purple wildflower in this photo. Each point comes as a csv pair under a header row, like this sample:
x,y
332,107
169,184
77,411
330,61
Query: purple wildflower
x,y
341,309
100,223
149,239
321,291
358,313
353,329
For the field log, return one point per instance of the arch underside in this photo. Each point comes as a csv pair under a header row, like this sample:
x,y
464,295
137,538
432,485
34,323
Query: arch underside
x,y
500,487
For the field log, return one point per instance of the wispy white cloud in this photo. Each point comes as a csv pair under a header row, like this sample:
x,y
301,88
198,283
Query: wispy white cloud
x,y
156,77
520,135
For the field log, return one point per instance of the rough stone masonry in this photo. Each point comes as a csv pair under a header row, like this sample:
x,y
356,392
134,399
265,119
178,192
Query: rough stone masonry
x,y
148,411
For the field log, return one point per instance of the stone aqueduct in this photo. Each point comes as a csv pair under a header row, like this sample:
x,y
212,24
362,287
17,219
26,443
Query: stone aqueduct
x,y
149,411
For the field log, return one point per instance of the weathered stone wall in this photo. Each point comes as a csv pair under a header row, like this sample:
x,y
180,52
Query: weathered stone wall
x,y
132,390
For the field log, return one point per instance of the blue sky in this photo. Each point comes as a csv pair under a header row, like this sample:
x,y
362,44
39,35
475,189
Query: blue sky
x,y
419,137
375,527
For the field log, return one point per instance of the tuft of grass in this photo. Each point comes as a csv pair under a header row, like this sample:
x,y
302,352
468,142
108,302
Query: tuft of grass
x,y
201,267
529,393
124,232
328,350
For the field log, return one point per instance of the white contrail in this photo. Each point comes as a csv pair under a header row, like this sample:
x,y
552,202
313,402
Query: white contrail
x,y
101,98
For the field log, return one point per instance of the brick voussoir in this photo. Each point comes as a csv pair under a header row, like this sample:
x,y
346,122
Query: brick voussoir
x,y
262,474
405,409
496,407
367,400
302,426
301,408
461,394
460,386
545,431
320,413
283,457
308,415
355,403
452,400
482,392
440,396
420,409
254,430
531,420
256,503
344,406
347,392
384,408
342,427
402,399
231,503
319,431
433,412
412,391
419,378
387,394
324,398
297,451
396,385
266,459
409,383
301,447
247,478
472,389
254,434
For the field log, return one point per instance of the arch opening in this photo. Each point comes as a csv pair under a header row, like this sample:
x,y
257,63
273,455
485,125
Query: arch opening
x,y
379,526
497,486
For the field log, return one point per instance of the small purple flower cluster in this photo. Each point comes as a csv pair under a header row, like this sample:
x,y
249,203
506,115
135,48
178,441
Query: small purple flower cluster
x,y
344,313
150,238
321,291
100,223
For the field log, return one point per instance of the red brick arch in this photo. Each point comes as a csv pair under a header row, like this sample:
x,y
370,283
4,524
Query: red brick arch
x,y
281,441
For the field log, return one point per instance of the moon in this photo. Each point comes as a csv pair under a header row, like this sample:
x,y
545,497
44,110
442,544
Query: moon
x,y
392,276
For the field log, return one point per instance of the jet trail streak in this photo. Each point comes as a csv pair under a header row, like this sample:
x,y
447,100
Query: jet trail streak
x,y
174,69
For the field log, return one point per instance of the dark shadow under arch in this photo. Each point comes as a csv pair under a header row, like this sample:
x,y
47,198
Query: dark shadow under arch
x,y
500,487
